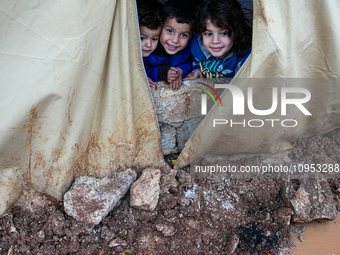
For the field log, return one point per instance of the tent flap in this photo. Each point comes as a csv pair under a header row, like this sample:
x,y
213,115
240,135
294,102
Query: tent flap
x,y
74,95
295,45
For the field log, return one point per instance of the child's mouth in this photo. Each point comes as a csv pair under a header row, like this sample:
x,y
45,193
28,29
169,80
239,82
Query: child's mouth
x,y
172,48
216,49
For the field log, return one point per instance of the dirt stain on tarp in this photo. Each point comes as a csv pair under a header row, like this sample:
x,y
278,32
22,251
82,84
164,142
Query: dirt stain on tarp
x,y
38,167
80,166
69,99
62,135
31,123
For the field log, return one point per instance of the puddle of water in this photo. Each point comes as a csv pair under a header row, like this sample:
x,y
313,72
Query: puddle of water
x,y
320,239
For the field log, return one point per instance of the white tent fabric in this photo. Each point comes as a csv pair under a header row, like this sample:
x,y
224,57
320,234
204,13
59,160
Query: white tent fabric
x,y
74,95
295,44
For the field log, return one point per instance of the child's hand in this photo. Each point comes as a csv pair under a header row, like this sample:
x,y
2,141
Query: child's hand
x,y
172,74
194,75
177,83
151,82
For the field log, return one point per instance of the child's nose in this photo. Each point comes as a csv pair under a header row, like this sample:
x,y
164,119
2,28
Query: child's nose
x,y
175,39
216,39
148,43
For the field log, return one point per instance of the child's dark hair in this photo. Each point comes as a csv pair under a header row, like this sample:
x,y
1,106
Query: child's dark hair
x,y
226,14
150,14
182,10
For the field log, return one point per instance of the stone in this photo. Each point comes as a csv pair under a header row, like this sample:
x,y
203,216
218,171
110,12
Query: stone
x,y
167,230
183,200
144,193
172,106
179,112
310,199
198,242
282,216
74,245
168,201
184,179
57,223
168,139
184,131
233,242
117,242
90,199
168,180
40,236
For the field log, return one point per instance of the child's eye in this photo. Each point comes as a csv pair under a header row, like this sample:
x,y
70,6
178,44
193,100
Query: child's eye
x,y
225,33
169,31
155,39
142,38
207,34
184,35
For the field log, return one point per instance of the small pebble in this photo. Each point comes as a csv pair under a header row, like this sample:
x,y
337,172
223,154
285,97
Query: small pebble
x,y
300,237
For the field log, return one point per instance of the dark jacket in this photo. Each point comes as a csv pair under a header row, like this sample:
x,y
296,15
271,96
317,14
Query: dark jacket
x,y
159,62
213,67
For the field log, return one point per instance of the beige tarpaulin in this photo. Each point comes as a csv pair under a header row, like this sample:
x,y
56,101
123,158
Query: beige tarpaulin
x,y
74,96
295,44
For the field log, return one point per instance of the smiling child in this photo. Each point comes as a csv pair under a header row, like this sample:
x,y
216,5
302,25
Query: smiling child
x,y
171,61
150,25
223,39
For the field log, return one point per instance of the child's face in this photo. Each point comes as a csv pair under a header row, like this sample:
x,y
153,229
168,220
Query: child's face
x,y
149,39
217,41
175,36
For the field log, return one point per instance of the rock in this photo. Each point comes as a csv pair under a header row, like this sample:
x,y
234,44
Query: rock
x,y
117,242
74,245
193,224
90,199
183,200
168,139
198,242
184,179
10,251
57,223
310,199
297,229
282,216
123,232
233,242
168,213
179,112
168,201
300,237
168,180
107,233
174,106
40,236
13,229
166,230
184,132
144,193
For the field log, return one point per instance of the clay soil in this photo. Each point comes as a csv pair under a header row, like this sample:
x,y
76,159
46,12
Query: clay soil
x,y
201,216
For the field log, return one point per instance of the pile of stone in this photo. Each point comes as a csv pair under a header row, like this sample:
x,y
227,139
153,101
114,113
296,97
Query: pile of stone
x,y
90,199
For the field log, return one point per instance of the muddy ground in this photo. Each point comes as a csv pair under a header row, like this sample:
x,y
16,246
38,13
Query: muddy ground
x,y
201,216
